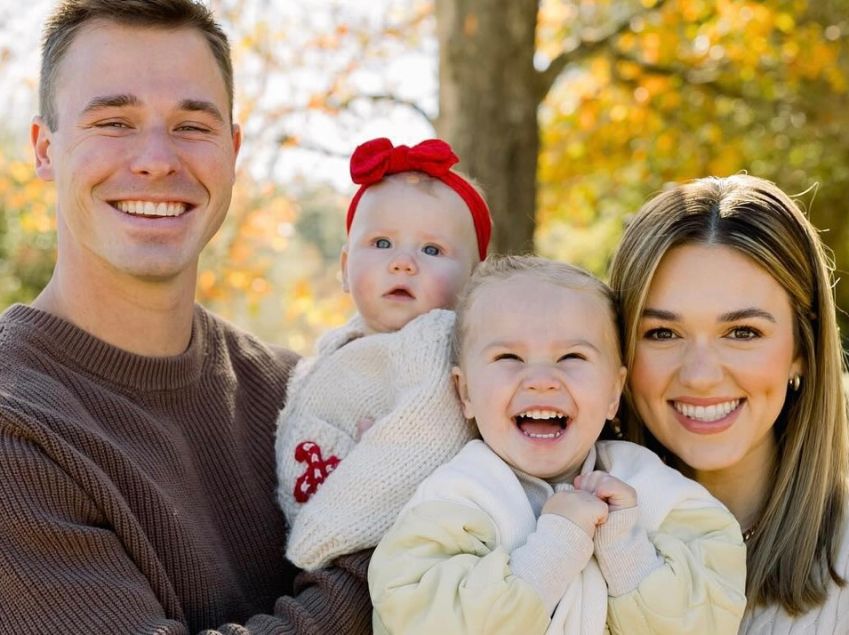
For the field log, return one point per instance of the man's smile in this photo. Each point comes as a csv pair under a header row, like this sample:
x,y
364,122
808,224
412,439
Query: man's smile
x,y
151,208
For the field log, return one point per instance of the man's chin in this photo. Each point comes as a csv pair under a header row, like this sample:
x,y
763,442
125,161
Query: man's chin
x,y
158,271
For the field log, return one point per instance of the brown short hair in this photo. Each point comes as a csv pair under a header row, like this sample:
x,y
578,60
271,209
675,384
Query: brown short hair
x,y
792,555
71,15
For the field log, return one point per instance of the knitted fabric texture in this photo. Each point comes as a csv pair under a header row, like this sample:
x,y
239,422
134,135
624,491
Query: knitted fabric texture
x,y
401,381
829,618
137,493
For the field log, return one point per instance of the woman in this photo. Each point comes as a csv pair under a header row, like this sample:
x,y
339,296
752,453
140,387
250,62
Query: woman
x,y
731,339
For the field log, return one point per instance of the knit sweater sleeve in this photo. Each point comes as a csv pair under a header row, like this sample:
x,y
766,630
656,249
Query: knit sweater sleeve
x,y
47,586
97,587
552,557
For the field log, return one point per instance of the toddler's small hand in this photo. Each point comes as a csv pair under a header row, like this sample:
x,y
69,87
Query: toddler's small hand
x,y
582,508
617,494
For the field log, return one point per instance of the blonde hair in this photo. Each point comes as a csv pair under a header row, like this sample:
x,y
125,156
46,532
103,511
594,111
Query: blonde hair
x,y
791,556
498,268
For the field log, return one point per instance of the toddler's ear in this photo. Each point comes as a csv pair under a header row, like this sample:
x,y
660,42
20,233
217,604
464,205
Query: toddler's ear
x,y
343,265
462,391
618,387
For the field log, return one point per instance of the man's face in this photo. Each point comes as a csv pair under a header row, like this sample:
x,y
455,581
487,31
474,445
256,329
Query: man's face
x,y
144,152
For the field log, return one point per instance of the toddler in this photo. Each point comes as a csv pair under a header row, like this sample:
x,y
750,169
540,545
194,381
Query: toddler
x,y
416,231
539,527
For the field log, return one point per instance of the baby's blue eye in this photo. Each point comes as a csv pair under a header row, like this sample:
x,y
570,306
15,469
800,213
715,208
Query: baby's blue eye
x,y
431,250
382,243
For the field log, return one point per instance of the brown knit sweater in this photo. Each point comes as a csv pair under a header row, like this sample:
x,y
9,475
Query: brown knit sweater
x,y
137,494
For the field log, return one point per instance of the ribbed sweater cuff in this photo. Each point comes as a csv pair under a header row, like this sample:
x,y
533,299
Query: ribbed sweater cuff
x,y
331,600
624,552
551,557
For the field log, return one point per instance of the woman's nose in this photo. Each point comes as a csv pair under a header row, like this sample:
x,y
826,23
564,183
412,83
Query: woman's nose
x,y
700,368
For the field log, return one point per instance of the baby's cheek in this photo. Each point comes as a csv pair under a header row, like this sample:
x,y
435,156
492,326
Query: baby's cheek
x,y
450,284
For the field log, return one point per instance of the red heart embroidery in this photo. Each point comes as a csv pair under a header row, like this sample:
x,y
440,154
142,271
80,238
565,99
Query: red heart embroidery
x,y
316,472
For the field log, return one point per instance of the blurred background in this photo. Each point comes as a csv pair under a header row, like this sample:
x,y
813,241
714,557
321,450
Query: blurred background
x,y
569,113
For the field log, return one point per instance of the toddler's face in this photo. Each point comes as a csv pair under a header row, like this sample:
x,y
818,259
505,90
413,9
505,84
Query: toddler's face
x,y
410,250
539,372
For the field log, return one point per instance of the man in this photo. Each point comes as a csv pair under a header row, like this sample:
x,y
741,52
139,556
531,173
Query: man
x,y
136,429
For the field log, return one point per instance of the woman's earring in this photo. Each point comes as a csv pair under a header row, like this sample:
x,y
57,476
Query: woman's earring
x,y
794,382
616,427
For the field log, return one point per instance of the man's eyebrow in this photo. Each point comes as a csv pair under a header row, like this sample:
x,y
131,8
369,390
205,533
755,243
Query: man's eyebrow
x,y
111,101
200,105
742,314
124,100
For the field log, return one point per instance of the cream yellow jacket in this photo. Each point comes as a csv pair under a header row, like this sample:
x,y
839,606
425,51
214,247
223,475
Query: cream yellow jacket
x,y
445,566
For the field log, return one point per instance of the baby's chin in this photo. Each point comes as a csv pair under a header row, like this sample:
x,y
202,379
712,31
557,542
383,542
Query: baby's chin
x,y
390,325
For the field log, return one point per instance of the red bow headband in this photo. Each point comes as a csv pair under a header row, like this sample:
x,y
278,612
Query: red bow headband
x,y
378,158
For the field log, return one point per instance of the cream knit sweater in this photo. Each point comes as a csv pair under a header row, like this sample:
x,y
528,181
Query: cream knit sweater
x,y
832,618
402,381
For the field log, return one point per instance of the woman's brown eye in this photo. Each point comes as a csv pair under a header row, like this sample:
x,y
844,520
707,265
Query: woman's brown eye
x,y
659,334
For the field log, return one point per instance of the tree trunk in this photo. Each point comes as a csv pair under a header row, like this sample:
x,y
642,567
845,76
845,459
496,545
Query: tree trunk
x,y
488,103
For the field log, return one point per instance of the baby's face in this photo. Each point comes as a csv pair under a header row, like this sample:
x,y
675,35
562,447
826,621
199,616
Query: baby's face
x,y
539,372
411,249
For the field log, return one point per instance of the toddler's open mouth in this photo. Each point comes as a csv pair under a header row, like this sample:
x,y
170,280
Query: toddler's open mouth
x,y
542,424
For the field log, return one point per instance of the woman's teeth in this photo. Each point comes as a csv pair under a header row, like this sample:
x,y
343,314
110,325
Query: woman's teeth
x,y
714,412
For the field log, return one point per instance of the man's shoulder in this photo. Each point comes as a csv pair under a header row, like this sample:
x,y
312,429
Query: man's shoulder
x,y
21,365
244,351
29,391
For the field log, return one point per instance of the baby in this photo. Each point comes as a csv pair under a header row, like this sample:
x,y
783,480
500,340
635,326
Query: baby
x,y
416,231
540,527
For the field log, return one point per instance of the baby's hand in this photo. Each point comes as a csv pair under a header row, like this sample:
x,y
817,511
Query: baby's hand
x,y
617,494
363,426
582,508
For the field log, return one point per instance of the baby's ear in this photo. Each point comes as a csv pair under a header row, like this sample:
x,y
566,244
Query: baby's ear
x,y
343,266
462,391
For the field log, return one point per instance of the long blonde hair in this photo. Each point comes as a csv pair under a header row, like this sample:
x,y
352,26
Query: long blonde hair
x,y
792,554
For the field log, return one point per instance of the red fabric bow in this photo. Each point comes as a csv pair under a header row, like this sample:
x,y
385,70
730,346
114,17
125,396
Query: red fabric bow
x,y
378,158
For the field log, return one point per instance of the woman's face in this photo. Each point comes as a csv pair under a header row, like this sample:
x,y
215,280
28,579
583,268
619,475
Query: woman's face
x,y
714,353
